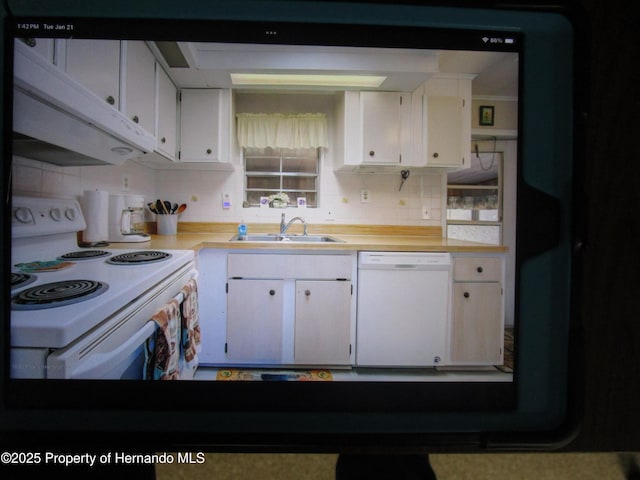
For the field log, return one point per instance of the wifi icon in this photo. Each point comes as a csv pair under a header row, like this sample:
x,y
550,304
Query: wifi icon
x,y
485,39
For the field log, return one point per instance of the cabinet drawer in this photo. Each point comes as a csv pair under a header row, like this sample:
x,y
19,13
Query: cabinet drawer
x,y
328,267
477,269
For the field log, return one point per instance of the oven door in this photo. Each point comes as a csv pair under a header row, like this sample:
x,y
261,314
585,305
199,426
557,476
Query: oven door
x,y
115,349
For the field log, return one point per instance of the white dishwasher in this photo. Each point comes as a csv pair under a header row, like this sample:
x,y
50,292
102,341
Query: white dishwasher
x,y
403,308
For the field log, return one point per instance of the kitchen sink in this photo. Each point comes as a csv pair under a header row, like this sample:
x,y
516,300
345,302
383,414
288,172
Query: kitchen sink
x,y
275,237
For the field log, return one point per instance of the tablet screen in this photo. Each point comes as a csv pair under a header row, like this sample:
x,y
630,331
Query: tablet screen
x,y
295,217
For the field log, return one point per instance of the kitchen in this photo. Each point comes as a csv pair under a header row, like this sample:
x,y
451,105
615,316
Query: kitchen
x,y
368,206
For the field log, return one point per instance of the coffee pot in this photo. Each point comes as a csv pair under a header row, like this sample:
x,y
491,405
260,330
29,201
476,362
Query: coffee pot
x,y
132,221
126,219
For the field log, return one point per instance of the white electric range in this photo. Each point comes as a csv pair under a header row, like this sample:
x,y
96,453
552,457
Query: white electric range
x,y
83,312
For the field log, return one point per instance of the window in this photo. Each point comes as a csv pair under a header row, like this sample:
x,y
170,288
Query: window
x,y
269,171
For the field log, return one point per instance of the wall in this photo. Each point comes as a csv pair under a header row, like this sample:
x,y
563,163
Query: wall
x,y
31,177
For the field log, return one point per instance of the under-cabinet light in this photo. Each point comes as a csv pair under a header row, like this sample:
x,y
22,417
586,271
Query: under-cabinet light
x,y
309,80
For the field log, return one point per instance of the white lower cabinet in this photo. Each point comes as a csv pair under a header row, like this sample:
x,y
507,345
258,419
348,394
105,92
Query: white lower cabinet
x,y
476,334
323,322
301,313
254,321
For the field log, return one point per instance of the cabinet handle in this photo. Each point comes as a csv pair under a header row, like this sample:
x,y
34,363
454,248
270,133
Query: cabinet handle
x,y
436,155
208,151
479,269
307,293
272,292
135,119
111,100
372,153
163,140
30,42
466,295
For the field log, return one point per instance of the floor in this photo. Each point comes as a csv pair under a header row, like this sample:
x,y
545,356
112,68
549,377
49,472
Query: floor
x,y
538,466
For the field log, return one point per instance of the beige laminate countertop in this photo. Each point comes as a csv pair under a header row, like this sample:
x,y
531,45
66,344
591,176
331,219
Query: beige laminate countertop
x,y
408,243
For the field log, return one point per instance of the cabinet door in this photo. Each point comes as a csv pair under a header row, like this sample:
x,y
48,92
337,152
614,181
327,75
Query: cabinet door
x,y
381,127
167,114
200,125
254,321
140,98
96,65
322,322
477,326
444,131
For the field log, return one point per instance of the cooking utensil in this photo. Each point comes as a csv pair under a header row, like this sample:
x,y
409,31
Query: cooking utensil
x,y
152,207
182,208
167,207
160,206
174,207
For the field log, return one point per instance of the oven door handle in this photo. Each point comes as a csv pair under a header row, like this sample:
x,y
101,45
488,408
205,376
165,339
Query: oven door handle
x,y
100,363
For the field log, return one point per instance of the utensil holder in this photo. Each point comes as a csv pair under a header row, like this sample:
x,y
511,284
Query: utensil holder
x,y
167,224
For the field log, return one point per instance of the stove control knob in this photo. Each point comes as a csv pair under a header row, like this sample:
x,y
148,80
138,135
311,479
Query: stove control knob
x,y
55,214
23,215
70,213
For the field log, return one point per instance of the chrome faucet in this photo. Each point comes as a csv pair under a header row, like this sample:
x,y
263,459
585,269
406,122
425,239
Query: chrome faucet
x,y
284,227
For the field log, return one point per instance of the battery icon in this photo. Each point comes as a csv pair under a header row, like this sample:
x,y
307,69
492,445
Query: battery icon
x,y
508,40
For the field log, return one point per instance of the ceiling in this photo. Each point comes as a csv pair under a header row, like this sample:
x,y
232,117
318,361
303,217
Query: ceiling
x,y
209,65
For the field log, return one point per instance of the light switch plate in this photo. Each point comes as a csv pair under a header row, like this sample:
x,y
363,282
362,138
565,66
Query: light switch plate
x,y
226,200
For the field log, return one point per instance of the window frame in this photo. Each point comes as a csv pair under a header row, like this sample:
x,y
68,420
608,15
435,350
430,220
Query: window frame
x,y
282,154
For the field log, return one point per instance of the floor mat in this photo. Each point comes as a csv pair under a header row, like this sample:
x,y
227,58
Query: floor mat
x,y
230,374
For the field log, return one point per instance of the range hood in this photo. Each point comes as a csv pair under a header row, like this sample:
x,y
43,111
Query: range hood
x,y
57,120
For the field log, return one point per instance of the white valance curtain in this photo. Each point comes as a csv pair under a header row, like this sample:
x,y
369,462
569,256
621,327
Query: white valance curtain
x,y
276,130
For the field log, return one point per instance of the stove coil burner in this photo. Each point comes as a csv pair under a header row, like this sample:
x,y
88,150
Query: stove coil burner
x,y
57,294
84,255
21,279
138,258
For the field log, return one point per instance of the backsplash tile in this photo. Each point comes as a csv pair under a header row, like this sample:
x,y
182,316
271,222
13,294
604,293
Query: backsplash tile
x,y
202,191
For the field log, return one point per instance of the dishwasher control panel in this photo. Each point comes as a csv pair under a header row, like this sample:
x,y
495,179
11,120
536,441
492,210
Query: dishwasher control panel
x,y
403,259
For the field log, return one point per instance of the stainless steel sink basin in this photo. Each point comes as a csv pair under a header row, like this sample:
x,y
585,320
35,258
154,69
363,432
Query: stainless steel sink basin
x,y
268,237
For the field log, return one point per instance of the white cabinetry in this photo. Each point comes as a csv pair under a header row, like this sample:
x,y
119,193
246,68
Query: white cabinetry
x,y
289,309
445,125
322,322
477,326
140,98
166,121
386,130
254,327
95,64
373,128
205,116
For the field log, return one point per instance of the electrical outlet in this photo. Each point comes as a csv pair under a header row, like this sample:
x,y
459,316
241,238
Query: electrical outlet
x,y
426,212
364,196
126,182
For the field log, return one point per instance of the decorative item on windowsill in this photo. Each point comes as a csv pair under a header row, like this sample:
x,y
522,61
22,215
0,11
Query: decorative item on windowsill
x,y
279,200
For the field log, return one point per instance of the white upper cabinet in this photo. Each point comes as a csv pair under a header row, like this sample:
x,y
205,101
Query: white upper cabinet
x,y
166,120
140,98
443,132
205,116
372,128
385,127
95,64
446,122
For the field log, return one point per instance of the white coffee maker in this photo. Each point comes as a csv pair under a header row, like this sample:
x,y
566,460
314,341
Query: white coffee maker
x,y
126,219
